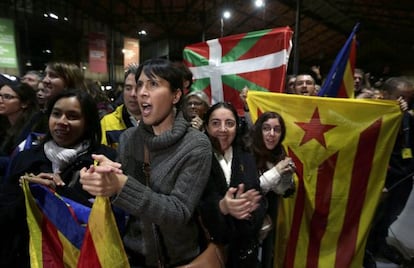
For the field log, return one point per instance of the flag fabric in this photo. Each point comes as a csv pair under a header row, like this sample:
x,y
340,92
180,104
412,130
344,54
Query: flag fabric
x,y
223,67
340,79
97,53
341,148
62,236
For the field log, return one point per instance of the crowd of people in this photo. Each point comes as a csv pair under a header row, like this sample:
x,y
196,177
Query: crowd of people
x,y
206,161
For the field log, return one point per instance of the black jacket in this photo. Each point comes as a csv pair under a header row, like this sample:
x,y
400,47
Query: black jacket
x,y
240,235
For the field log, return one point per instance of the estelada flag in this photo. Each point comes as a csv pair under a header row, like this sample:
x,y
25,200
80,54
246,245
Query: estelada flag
x,y
257,60
341,148
62,236
340,80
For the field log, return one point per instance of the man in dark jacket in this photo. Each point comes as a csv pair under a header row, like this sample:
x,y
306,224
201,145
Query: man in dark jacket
x,y
399,179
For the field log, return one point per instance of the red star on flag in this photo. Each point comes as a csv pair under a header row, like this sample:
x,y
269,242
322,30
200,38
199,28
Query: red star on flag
x,y
314,129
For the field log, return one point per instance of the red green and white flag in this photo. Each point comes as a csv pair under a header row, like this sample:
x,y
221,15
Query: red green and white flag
x,y
257,60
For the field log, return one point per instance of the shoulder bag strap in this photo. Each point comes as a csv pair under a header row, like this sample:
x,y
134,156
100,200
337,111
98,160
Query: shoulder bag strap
x,y
155,228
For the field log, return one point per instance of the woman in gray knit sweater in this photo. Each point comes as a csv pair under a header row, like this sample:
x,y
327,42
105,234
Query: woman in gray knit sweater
x,y
180,160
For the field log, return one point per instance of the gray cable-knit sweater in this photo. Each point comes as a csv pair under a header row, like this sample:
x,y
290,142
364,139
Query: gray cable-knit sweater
x,y
180,167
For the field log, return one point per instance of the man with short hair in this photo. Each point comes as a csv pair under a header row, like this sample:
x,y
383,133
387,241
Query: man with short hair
x,y
358,81
305,85
32,78
125,115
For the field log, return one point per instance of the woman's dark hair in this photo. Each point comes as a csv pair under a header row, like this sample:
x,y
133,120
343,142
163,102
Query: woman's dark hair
x,y
27,98
166,70
186,73
257,146
230,107
26,95
89,112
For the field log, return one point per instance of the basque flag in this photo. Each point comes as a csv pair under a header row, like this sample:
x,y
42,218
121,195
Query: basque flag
x,y
64,233
341,148
257,60
340,80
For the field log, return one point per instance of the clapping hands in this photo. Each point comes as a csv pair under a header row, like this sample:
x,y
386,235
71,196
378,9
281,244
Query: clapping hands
x,y
239,203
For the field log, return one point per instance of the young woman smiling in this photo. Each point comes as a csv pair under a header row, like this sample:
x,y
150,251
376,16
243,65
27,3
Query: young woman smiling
x,y
275,170
74,135
232,208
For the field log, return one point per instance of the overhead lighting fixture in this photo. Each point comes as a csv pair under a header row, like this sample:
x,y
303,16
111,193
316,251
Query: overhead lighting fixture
x,y
226,14
259,3
142,32
53,16
28,63
65,18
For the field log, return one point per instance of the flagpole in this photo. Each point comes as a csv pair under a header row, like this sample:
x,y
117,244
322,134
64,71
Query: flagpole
x,y
221,26
296,40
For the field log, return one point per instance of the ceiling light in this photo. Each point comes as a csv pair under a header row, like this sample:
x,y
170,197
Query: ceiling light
x,y
142,32
53,16
259,3
226,14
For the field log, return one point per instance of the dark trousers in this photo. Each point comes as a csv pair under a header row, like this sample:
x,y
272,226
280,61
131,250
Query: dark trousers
x,y
387,212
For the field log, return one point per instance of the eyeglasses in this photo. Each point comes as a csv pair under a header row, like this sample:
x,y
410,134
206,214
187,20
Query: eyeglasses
x,y
194,103
6,96
267,129
218,123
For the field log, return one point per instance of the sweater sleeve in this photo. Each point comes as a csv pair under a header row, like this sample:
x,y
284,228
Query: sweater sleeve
x,y
176,186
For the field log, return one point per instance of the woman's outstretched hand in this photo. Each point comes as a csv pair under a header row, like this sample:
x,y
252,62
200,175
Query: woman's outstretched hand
x,y
47,179
104,179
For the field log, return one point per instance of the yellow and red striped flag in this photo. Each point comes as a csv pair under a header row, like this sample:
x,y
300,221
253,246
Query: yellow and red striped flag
x,y
341,148
64,233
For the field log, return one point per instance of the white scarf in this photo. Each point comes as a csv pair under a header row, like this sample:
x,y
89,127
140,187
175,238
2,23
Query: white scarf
x,y
61,157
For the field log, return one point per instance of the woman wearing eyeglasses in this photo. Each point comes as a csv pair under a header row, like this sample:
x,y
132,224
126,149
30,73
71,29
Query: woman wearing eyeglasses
x,y
232,208
196,104
17,104
274,167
